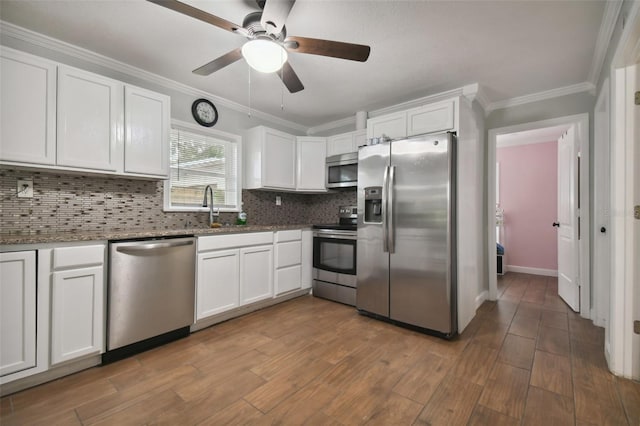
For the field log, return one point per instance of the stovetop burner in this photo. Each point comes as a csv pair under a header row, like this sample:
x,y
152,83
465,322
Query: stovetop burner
x,y
348,220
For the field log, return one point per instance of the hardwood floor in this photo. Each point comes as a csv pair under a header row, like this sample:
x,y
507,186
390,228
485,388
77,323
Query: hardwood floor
x,y
524,360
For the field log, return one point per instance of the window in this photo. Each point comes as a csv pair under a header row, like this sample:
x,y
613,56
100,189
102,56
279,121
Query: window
x,y
199,158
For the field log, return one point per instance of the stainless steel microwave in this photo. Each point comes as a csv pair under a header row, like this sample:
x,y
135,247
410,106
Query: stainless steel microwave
x,y
342,170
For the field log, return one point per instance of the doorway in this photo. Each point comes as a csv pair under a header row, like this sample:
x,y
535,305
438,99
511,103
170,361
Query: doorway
x,y
581,125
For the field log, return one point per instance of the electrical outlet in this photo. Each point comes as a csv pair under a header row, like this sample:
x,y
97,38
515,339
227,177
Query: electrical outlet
x,y
25,188
278,200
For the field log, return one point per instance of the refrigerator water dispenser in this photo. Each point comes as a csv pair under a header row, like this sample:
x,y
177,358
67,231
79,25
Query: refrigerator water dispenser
x,y
373,204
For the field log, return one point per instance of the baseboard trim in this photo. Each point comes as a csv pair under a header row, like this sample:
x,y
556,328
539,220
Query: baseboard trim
x,y
532,271
481,298
242,310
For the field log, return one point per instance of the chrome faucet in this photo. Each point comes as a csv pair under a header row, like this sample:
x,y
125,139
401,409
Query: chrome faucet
x,y
213,213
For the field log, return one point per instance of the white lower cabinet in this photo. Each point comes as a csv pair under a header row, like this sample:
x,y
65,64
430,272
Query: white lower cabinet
x,y
77,314
288,264
77,302
256,282
17,311
218,282
233,270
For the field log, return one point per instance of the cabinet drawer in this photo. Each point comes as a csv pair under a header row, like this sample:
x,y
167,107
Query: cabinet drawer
x,y
290,235
66,257
288,254
215,242
288,279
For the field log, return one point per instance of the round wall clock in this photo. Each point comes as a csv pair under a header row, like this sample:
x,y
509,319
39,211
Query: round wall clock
x,y
204,112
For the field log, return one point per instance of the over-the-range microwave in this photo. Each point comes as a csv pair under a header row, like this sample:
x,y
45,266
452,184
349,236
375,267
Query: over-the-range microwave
x,y
342,170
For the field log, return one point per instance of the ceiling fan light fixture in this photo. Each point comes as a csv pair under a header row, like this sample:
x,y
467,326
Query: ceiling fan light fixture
x,y
264,55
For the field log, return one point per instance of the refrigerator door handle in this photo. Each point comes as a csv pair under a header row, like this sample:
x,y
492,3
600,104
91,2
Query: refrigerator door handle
x,y
385,194
391,244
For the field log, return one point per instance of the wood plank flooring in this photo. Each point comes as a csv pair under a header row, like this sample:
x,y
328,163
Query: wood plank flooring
x,y
524,360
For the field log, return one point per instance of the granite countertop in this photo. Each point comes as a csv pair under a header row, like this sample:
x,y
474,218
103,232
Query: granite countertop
x,y
62,237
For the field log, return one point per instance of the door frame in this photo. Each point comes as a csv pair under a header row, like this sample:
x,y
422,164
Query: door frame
x,y
601,206
622,356
581,121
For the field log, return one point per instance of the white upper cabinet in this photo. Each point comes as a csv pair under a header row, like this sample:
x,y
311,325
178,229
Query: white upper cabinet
x,y
64,118
146,137
430,118
391,125
339,144
90,117
346,143
270,159
27,108
310,167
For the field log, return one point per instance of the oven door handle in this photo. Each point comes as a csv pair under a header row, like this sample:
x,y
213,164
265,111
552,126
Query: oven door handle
x,y
336,235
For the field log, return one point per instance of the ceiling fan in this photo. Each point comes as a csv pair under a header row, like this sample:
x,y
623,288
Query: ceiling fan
x,y
268,44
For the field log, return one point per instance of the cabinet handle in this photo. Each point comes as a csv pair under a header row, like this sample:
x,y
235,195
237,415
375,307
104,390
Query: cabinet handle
x,y
556,224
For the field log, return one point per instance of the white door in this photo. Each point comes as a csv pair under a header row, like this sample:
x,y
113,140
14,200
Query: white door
x,y
77,314
279,160
634,77
17,311
568,286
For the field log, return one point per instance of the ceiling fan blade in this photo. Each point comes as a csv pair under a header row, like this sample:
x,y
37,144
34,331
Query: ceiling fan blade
x,y
275,14
196,13
335,49
290,78
219,63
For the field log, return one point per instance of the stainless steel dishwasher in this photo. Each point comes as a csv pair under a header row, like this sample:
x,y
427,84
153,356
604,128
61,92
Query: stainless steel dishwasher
x,y
151,294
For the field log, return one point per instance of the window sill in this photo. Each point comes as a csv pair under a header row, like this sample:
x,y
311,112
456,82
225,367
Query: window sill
x,y
196,210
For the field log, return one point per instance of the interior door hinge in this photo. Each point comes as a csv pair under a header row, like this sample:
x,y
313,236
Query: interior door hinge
x,y
636,212
638,97
636,327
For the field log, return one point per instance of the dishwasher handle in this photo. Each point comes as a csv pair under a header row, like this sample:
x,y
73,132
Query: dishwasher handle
x,y
153,246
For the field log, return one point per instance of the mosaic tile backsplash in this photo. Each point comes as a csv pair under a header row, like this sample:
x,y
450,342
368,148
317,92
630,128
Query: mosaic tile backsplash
x,y
66,203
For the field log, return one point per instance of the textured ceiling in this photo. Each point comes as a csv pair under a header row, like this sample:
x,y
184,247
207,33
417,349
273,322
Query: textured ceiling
x,y
511,48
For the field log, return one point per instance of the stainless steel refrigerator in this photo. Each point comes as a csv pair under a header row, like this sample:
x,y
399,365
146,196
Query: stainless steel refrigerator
x,y
406,247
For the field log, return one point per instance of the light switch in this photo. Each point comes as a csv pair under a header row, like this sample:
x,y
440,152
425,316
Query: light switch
x,y
278,200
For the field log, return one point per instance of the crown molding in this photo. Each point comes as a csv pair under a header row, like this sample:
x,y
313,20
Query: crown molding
x,y
31,37
343,122
541,96
607,26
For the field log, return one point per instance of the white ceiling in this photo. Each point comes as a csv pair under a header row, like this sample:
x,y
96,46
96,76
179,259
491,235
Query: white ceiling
x,y
511,48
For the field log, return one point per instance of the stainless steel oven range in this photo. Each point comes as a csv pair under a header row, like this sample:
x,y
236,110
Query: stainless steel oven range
x,y
334,258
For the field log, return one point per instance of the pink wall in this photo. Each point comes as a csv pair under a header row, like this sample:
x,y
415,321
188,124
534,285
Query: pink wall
x,y
528,195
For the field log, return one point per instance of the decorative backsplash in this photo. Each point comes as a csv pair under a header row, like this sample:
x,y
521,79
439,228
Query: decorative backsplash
x,y
64,203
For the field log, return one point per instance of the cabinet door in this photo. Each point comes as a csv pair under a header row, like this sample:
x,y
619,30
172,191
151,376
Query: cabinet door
x,y
340,144
17,311
90,115
146,143
77,313
359,139
311,164
391,125
430,118
278,160
218,282
256,266
28,113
